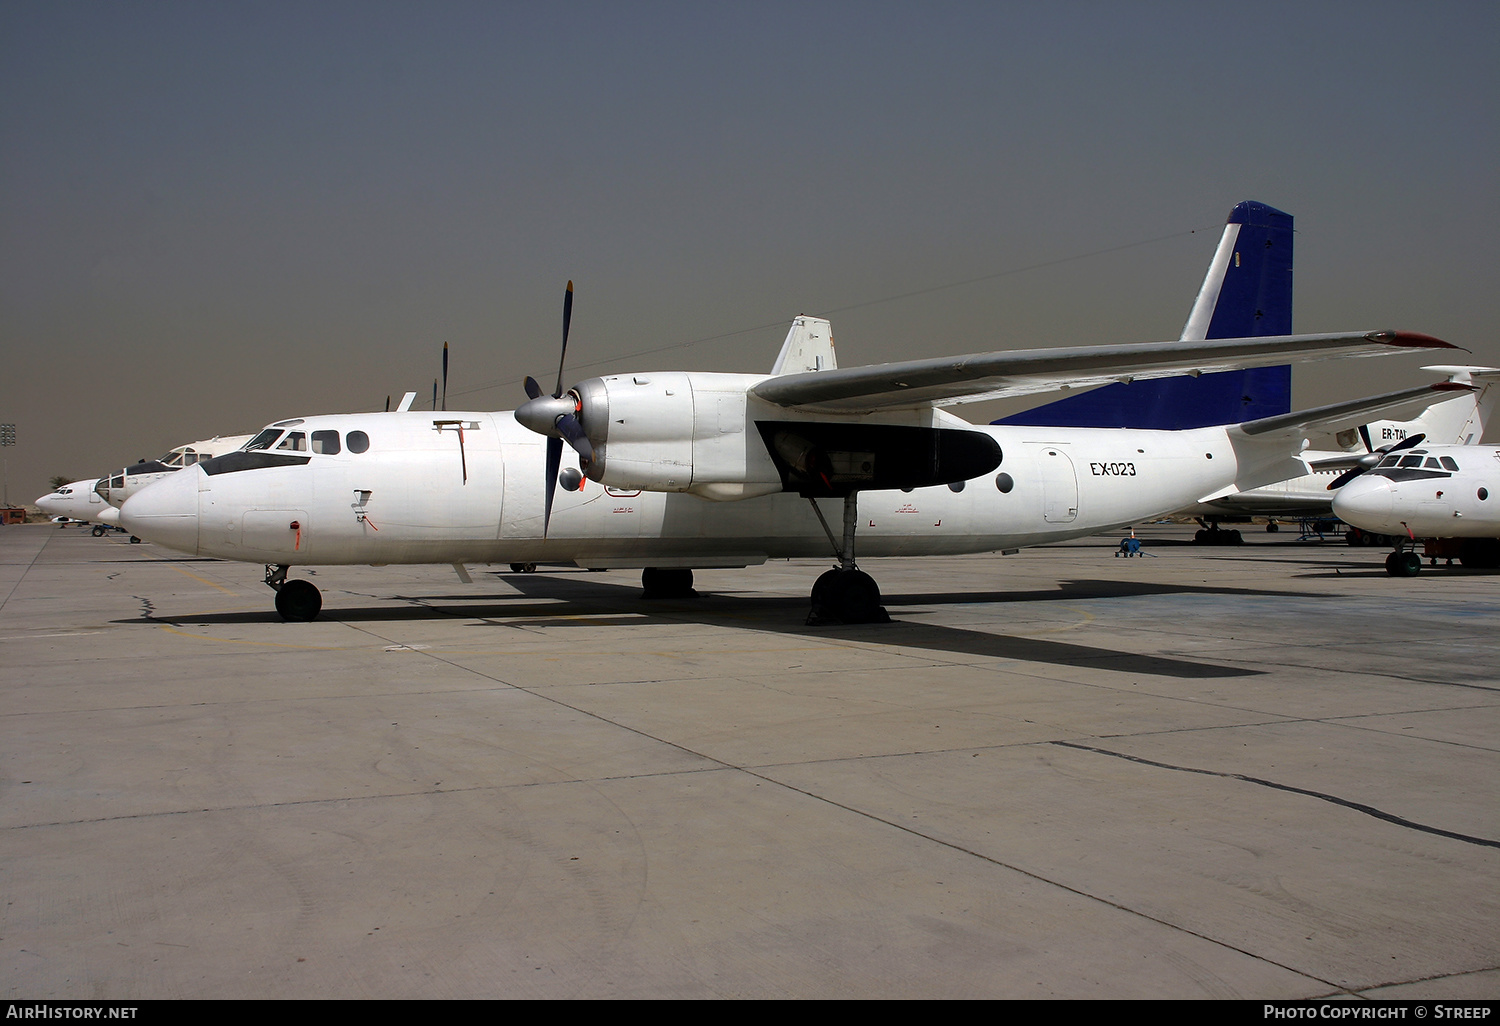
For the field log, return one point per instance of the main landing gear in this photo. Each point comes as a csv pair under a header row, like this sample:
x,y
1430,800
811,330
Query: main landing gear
x,y
1212,534
296,600
660,582
845,594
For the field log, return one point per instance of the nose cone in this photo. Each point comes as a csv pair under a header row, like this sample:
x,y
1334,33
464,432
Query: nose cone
x,y
166,512
1365,502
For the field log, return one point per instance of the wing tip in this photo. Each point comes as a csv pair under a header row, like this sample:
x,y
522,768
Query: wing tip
x,y
1410,340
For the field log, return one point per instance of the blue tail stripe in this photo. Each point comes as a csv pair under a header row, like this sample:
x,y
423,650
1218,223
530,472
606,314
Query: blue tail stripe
x,y
1255,300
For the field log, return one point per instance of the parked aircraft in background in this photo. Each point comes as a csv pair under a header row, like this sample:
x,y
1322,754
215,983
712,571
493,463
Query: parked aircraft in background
x,y
1459,420
729,470
125,482
76,501
1447,496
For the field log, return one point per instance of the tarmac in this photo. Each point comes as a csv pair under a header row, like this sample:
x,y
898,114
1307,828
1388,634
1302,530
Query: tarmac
x,y
1263,772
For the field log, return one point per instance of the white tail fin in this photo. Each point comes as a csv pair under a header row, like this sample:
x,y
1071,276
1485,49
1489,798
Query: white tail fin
x,y
1458,421
808,347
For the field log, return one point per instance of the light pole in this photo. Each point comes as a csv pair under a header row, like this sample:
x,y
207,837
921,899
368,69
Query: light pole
x,y
7,437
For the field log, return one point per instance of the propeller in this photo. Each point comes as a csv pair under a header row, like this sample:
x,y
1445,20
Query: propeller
x,y
445,376
1374,458
556,416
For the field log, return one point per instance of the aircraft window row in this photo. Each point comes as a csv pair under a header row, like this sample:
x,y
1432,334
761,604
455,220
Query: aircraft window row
x,y
324,442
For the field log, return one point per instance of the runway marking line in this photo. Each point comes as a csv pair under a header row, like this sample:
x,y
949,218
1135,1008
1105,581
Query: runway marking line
x,y
202,580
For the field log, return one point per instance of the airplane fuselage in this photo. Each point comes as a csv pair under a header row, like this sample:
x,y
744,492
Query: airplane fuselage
x,y
401,488
1433,491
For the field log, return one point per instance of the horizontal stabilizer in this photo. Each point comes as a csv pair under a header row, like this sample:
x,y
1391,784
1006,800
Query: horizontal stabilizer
x,y
1323,417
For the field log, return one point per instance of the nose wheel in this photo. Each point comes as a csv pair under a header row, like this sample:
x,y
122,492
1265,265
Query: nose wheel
x,y
1403,564
297,601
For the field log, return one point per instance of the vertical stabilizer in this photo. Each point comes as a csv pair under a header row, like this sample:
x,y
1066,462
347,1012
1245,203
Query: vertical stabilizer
x,y
1247,293
1458,421
808,347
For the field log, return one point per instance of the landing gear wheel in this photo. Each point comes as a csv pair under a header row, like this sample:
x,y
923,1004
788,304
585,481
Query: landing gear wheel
x,y
523,568
666,583
134,540
298,601
1272,527
98,531
846,596
1403,564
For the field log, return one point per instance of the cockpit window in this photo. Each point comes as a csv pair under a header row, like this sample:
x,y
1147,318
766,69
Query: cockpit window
x,y
263,440
357,441
295,441
325,442
1433,464
1449,463
1390,461
1410,461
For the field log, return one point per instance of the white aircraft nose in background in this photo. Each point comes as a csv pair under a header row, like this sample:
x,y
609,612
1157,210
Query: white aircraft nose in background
x,y
1366,501
166,511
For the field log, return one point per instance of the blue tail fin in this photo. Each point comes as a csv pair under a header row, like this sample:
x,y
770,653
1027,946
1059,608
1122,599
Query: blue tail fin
x,y
1246,294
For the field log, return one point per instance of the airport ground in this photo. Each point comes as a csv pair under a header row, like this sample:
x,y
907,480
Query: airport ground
x,y
1261,772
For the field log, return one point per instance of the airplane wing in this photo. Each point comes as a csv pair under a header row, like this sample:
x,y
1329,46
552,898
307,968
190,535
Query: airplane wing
x,y
965,379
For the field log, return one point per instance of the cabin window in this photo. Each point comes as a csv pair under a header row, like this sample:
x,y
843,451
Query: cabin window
x,y
325,442
1004,482
263,440
295,441
357,441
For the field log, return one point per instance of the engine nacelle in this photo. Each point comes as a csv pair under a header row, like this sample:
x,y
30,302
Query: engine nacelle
x,y
675,431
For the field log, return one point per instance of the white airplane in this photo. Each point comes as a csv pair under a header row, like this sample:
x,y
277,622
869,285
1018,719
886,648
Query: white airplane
x,y
1445,495
77,502
697,470
122,484
1458,421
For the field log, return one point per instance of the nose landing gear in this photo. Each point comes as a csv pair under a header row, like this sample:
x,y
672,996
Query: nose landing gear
x,y
297,600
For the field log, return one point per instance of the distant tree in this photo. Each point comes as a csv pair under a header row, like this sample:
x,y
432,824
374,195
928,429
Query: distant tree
x,y
58,481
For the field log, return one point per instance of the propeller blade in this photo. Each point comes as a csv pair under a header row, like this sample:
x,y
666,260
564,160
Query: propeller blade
x,y
1406,443
445,375
533,389
387,404
1364,434
554,461
434,395
567,323
569,427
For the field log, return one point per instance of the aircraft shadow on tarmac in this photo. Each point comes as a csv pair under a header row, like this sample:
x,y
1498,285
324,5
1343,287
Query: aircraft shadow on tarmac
x,y
569,599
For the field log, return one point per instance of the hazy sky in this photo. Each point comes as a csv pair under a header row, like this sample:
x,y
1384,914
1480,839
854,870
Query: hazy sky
x,y
216,215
